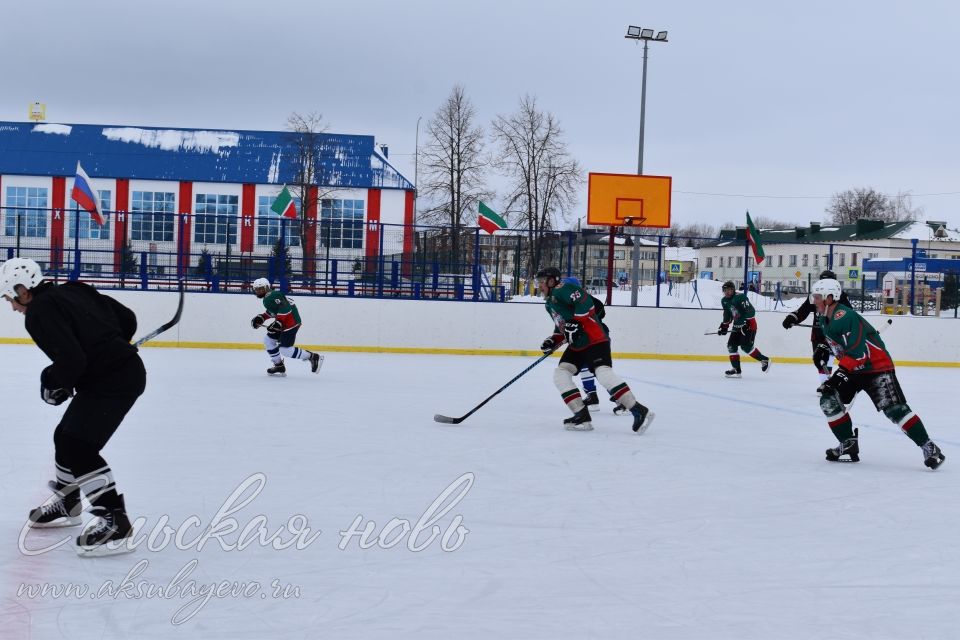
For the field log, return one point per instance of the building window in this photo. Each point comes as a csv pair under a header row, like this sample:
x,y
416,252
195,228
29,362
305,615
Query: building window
x,y
30,214
853,259
269,224
215,219
805,260
88,228
793,260
341,224
709,262
152,216
721,262
843,259
780,260
816,259
739,261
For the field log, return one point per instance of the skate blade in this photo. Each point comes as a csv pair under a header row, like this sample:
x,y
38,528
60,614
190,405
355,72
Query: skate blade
x,y
277,375
736,375
56,524
843,460
642,429
113,548
583,426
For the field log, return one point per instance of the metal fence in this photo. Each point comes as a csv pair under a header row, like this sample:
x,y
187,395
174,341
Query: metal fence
x,y
159,250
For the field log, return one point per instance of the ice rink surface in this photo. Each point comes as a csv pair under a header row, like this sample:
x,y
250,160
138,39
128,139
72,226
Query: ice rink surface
x,y
723,521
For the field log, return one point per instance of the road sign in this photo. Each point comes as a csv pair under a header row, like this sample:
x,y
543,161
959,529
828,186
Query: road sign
x,y
618,199
676,268
853,274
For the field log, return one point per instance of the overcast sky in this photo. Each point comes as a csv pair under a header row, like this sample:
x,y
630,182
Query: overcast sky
x,y
747,100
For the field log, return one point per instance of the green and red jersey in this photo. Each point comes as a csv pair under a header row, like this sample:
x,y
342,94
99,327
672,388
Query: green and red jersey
x,y
282,308
854,341
737,309
570,303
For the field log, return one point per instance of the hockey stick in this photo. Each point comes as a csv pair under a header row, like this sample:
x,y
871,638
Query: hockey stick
x,y
166,325
449,420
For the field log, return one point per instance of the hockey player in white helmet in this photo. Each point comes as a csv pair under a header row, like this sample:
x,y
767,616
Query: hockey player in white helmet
x,y
864,365
282,332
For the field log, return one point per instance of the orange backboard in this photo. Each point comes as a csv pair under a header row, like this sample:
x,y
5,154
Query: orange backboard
x,y
625,199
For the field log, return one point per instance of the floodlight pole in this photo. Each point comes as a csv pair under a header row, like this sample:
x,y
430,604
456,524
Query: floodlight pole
x,y
635,261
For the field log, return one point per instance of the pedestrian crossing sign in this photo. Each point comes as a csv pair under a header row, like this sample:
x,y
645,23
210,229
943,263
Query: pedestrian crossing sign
x,y
853,274
676,268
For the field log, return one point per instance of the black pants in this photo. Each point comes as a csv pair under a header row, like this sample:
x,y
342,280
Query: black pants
x,y
94,414
596,355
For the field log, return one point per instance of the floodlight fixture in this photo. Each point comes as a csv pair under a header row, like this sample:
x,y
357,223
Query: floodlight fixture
x,y
661,35
632,32
646,34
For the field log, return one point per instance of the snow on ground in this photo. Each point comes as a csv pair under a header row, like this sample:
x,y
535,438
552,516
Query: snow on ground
x,y
723,521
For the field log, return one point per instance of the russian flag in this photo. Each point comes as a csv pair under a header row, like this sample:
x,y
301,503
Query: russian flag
x,y
84,195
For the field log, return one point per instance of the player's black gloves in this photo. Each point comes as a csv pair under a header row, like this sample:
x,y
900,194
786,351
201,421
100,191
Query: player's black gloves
x,y
789,321
549,345
53,396
724,327
256,322
838,381
274,329
570,329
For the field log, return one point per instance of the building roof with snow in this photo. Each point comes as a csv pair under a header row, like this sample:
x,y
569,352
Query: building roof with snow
x,y
200,155
862,230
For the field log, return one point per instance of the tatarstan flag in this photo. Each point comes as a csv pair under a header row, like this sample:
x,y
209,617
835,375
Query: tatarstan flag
x,y
489,221
284,205
754,237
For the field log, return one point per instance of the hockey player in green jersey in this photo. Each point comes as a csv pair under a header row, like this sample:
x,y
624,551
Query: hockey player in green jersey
x,y
575,322
738,310
864,364
282,332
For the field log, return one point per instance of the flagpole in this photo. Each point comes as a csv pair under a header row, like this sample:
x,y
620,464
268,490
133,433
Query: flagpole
x,y
746,255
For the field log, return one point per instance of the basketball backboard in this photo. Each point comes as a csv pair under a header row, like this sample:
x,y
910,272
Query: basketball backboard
x,y
624,199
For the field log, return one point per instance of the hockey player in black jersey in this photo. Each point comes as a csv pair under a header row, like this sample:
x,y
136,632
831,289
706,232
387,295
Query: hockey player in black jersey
x,y
821,352
87,337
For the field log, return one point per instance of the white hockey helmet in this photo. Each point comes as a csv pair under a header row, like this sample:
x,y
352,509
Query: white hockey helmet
x,y
262,283
827,287
19,271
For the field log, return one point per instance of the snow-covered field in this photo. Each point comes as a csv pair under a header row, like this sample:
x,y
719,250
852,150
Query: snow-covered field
x,y
723,521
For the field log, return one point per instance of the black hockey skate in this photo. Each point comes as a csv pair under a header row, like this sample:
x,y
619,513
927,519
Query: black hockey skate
x,y
278,370
764,364
580,421
732,373
107,534
932,456
62,509
642,417
592,401
316,361
850,447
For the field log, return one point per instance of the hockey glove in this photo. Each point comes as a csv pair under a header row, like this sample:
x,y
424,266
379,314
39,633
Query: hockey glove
x,y
275,329
789,321
839,381
570,330
53,396
722,330
257,322
549,345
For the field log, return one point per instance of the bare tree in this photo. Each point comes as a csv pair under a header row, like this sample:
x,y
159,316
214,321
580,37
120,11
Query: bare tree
x,y
846,207
543,176
766,222
305,133
452,166
903,208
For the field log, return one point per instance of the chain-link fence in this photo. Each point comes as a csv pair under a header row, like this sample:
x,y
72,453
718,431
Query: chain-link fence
x,y
226,253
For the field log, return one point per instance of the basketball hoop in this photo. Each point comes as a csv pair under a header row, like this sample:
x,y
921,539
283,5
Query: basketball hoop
x,y
631,221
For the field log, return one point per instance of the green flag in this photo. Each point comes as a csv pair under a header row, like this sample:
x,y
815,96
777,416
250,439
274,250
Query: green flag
x,y
753,235
489,221
284,205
